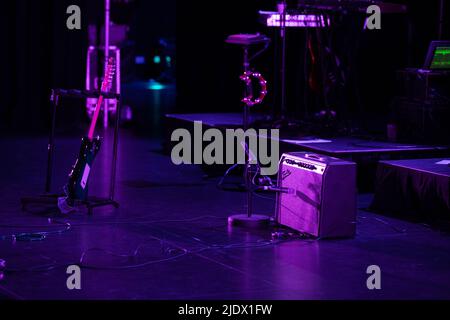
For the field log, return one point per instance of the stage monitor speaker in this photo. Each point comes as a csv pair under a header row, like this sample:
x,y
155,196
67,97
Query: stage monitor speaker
x,y
321,200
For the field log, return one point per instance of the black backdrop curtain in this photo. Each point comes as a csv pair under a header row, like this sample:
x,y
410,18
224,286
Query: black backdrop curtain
x,y
38,52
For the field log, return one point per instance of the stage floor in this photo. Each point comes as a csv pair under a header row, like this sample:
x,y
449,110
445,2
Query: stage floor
x,y
172,227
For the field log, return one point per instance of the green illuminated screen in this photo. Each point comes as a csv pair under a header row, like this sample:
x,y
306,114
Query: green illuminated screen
x,y
441,58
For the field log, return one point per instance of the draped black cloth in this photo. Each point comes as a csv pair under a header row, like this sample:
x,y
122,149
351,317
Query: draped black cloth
x,y
413,189
38,53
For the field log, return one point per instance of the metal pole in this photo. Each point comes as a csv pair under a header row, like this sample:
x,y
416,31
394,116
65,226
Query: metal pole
x,y
283,13
107,25
115,151
51,143
247,180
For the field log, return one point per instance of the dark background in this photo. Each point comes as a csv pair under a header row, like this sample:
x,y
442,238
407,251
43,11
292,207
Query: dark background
x,y
38,53
208,69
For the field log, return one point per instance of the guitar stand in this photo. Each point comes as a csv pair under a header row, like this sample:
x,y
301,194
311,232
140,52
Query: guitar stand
x,y
47,198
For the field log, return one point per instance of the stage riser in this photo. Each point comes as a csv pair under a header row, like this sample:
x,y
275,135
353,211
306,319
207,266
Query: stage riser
x,y
414,189
342,148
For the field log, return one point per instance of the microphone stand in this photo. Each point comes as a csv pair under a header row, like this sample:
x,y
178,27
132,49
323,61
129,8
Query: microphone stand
x,y
249,219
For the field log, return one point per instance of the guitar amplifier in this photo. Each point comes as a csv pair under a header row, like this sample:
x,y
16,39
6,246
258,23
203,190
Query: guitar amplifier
x,y
321,200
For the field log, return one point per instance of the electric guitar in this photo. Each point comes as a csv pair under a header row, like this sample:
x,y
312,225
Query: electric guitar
x,y
77,187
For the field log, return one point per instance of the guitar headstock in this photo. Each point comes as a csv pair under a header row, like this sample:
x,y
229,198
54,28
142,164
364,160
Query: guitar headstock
x,y
109,75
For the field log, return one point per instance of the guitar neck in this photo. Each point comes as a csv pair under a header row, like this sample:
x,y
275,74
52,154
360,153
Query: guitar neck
x,y
95,118
109,73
